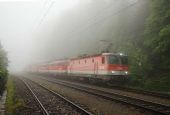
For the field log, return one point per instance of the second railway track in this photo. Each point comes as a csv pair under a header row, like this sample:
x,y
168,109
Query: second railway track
x,y
156,108
52,103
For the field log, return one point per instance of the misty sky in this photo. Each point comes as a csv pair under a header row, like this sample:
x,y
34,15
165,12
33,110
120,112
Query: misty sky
x,y
43,30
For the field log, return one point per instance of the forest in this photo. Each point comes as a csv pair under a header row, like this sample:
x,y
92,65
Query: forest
x,y
149,47
3,69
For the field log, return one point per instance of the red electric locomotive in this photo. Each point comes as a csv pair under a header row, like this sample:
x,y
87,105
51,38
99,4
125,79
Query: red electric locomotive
x,y
105,66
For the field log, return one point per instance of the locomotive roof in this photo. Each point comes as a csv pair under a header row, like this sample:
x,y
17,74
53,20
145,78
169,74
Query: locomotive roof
x,y
102,54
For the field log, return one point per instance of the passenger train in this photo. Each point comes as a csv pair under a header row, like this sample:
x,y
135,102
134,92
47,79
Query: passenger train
x,y
105,66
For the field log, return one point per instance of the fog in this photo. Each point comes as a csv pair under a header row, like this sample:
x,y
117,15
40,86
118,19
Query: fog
x,y
39,31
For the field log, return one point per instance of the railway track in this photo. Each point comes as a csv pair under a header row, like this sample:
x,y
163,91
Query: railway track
x,y
156,108
140,91
133,90
52,103
30,107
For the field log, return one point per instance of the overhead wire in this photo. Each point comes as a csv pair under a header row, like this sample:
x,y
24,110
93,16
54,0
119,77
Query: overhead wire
x,y
90,25
47,11
103,19
44,14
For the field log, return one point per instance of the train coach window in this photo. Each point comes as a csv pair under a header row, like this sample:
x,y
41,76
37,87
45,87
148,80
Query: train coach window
x,y
103,60
92,60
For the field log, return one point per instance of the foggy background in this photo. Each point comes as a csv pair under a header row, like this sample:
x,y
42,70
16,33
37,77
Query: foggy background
x,y
38,31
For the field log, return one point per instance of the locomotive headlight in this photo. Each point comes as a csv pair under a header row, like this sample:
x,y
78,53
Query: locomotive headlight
x,y
121,54
113,71
126,72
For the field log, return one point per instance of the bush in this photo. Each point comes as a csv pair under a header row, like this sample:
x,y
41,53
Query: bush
x,y
158,84
3,69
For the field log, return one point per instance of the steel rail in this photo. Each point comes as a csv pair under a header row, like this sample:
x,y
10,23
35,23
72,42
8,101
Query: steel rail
x,y
134,90
145,92
80,109
45,112
147,105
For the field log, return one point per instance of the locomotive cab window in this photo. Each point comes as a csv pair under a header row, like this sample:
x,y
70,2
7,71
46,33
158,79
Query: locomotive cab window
x,y
124,60
113,59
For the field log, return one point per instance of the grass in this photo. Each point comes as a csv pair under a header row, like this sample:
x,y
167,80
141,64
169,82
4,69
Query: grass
x,y
11,103
160,84
10,97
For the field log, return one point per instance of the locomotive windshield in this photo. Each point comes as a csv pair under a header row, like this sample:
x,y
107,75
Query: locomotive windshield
x,y
113,59
124,60
117,59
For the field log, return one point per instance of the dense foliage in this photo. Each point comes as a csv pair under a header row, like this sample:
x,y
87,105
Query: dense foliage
x,y
148,48
157,43
157,36
3,69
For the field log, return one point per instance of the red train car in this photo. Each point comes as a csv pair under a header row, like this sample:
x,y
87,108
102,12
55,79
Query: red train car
x,y
58,67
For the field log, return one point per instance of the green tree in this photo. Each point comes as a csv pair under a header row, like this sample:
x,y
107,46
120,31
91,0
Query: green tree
x,y
3,69
145,37
155,64
157,37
